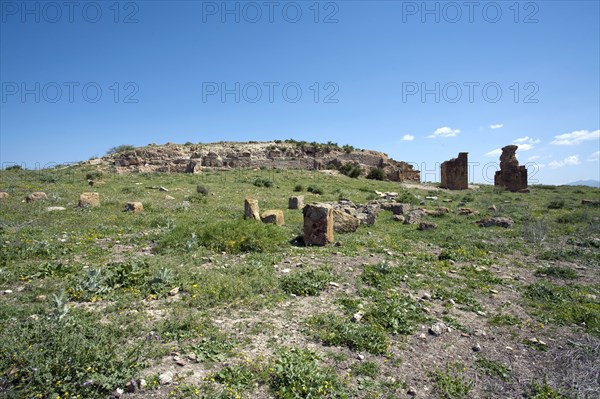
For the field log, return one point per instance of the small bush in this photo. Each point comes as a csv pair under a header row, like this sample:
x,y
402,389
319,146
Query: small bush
x,y
263,183
14,167
452,383
315,190
376,174
308,283
351,169
120,148
297,375
348,148
200,189
95,175
298,188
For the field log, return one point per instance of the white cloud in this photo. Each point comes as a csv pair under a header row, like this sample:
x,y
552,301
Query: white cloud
x,y
576,137
496,152
568,161
526,140
524,147
445,132
496,126
594,157
533,157
408,137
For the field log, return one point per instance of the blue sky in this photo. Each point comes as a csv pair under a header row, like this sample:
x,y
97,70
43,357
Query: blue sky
x,y
420,81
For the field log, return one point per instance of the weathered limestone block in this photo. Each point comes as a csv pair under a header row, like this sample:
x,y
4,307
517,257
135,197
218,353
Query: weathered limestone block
x,y
251,210
273,216
318,224
343,222
455,173
36,196
90,199
194,167
296,202
3,195
511,176
135,207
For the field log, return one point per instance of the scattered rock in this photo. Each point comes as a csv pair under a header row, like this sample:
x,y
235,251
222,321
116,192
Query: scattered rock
x,y
55,208
296,202
588,202
36,196
273,216
397,208
414,216
3,195
427,226
398,218
89,199
426,296
163,189
318,224
476,347
465,211
169,197
135,207
251,210
497,221
165,378
344,222
412,391
492,208
438,329
431,197
174,291
356,317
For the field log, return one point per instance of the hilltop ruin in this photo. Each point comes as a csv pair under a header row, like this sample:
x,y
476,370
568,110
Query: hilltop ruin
x,y
289,154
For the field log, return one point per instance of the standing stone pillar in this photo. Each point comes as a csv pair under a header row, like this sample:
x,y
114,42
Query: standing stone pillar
x,y
318,224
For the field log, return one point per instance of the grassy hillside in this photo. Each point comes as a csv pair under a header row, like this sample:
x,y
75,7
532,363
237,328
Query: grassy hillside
x,y
200,303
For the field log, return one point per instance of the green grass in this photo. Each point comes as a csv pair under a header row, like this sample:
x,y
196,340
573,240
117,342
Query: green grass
x,y
117,269
452,382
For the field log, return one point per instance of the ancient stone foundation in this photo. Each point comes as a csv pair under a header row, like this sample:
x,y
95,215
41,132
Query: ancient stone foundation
x,y
455,173
511,176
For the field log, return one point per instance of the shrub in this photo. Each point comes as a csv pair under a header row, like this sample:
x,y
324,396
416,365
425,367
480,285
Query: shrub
x,y
97,174
120,148
297,375
263,183
200,189
314,190
309,282
351,169
233,236
348,148
376,174
451,383
14,167
298,188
